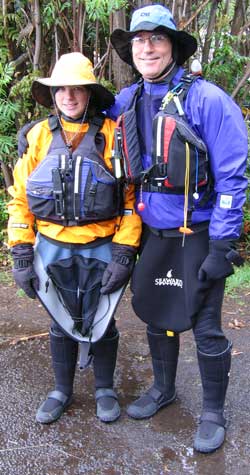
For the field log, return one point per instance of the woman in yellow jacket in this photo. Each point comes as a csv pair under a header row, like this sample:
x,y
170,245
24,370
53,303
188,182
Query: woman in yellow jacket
x,y
66,198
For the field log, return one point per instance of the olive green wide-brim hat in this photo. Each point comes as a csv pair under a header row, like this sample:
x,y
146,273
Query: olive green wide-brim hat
x,y
153,18
72,69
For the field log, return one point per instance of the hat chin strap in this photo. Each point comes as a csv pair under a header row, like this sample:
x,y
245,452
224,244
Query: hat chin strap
x,y
169,68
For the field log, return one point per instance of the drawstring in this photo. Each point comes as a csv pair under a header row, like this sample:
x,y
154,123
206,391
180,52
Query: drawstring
x,y
196,194
184,229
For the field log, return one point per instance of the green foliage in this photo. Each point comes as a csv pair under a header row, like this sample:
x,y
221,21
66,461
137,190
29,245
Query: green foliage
x,y
227,65
101,9
3,215
51,12
3,47
8,145
3,209
6,74
5,277
21,94
108,86
10,33
20,293
239,279
8,111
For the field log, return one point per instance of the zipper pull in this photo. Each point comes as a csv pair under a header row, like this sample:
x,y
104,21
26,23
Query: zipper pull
x,y
70,163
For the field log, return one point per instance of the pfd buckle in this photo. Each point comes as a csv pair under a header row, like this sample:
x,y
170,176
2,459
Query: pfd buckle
x,y
58,192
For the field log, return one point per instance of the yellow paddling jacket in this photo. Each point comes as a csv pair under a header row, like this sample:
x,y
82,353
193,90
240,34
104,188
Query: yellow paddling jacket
x,y
33,185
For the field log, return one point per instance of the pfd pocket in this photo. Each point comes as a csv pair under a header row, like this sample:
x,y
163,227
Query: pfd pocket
x,y
83,190
185,142
39,188
77,281
101,197
178,153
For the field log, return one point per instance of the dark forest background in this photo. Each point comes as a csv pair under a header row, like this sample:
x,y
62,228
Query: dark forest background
x,y
33,34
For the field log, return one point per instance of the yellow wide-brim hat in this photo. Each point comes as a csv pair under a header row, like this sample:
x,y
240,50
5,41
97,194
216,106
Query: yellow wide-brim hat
x,y
72,69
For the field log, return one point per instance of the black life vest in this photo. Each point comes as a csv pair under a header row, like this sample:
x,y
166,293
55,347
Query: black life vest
x,y
74,188
178,153
180,162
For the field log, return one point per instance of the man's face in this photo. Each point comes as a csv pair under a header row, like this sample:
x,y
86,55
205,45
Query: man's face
x,y
152,53
72,100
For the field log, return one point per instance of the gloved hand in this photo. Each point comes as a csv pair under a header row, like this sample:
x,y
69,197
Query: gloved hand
x,y
219,262
22,143
23,271
119,269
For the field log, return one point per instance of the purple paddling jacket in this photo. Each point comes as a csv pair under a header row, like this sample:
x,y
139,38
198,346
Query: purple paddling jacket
x,y
219,122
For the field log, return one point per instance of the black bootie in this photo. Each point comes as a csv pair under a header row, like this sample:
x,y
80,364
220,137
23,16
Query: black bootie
x,y
214,370
164,352
64,357
104,362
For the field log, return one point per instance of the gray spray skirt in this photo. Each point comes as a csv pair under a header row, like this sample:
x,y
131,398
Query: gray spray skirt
x,y
48,296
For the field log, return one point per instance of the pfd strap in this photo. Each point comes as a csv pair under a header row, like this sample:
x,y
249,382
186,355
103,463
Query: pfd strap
x,y
53,122
95,125
77,185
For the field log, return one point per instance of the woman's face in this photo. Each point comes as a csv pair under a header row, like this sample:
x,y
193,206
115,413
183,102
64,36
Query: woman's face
x,y
72,100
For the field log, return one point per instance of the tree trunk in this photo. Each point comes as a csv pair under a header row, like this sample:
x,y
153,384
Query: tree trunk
x,y
242,81
239,17
38,42
210,29
97,49
240,24
81,20
193,16
122,73
7,174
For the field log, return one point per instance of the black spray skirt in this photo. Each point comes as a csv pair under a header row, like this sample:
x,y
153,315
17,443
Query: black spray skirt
x,y
166,291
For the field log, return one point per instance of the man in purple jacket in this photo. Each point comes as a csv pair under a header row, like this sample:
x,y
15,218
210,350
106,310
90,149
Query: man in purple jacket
x,y
191,209
190,230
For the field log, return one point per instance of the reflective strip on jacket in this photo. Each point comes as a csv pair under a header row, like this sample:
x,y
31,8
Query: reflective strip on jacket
x,y
126,229
219,122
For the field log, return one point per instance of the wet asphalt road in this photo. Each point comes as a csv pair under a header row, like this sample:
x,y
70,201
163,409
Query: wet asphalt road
x,y
78,443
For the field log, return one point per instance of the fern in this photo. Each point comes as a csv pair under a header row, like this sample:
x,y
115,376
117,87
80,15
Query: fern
x,y
8,111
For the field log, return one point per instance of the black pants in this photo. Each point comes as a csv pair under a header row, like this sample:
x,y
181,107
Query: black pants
x,y
64,357
207,330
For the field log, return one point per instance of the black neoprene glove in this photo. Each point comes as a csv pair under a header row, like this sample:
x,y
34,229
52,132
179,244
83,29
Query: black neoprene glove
x,y
22,143
23,271
119,269
219,262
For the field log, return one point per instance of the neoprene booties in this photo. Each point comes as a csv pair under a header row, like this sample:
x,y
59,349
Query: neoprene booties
x,y
119,269
23,270
219,262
